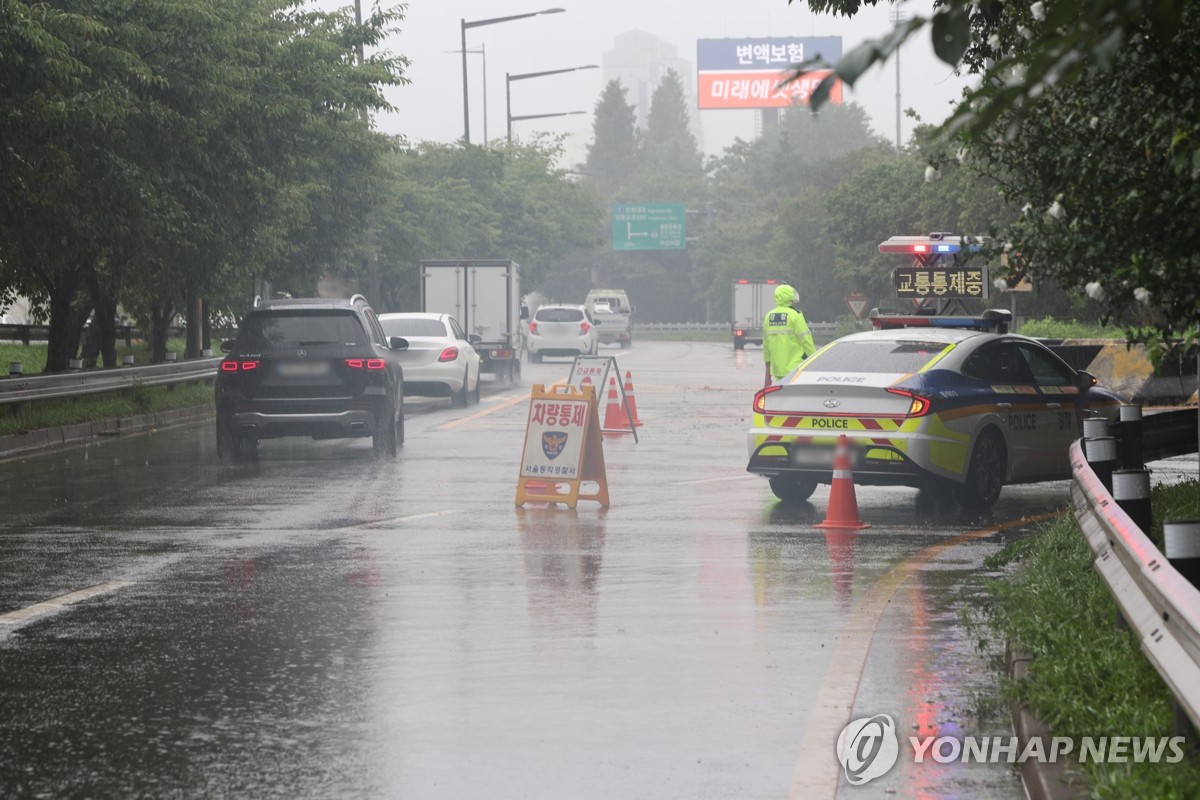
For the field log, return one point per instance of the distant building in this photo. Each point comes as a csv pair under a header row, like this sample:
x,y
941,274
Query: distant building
x,y
639,60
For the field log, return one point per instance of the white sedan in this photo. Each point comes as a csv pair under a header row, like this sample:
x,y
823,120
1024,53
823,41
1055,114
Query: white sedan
x,y
441,360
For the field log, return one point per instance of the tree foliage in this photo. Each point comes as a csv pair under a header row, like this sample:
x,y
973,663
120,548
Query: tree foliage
x,y
451,201
156,150
1085,114
613,153
1109,205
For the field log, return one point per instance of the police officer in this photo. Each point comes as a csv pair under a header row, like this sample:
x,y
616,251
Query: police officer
x,y
786,338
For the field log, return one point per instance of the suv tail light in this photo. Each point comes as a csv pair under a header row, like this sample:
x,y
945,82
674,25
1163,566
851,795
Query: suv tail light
x,y
584,327
233,365
918,407
760,398
449,354
533,327
366,363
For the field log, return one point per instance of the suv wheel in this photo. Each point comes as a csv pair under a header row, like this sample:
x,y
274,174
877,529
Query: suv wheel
x,y
387,438
230,446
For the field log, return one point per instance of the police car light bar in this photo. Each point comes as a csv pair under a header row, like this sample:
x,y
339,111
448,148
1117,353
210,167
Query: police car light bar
x,y
933,244
996,320
919,245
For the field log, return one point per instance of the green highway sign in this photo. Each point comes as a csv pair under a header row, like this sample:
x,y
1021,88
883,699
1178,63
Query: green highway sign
x,y
651,226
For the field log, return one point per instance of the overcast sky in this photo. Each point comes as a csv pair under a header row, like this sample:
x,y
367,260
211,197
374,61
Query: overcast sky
x,y
430,108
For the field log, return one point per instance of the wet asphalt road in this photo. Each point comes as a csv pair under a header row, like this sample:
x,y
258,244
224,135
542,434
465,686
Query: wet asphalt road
x,y
321,624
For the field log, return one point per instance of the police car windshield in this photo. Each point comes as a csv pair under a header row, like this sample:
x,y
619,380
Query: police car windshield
x,y
875,356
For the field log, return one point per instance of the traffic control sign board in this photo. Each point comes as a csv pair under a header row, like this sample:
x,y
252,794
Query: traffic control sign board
x,y
562,447
857,303
651,226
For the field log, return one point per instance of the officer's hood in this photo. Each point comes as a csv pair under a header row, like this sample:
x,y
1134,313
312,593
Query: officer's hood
x,y
785,295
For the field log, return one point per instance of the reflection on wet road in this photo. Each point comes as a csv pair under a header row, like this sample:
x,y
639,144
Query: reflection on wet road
x,y
317,623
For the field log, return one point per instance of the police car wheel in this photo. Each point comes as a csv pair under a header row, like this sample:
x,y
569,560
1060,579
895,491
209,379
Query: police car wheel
x,y
985,476
792,488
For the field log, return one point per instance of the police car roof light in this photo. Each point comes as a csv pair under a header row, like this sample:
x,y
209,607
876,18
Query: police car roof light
x,y
933,243
993,320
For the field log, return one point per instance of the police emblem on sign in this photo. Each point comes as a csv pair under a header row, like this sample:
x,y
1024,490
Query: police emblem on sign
x,y
553,443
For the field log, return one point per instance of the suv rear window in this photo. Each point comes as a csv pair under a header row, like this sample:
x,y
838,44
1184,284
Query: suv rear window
x,y
880,357
558,315
265,330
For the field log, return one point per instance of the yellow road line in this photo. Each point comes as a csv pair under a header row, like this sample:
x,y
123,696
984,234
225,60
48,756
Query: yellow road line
x,y
58,603
512,401
816,772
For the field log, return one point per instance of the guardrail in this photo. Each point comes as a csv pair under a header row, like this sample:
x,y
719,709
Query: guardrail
x,y
821,328
21,389
1159,604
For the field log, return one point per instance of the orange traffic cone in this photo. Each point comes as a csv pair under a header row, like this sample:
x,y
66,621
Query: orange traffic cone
x,y
842,512
615,418
629,396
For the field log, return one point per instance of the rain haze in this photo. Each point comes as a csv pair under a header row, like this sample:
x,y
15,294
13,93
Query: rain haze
x,y
585,33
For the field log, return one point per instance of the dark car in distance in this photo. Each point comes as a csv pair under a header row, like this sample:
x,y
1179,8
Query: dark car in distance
x,y
316,367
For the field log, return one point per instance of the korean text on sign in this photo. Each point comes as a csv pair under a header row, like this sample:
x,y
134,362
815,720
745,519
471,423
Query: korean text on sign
x,y
558,415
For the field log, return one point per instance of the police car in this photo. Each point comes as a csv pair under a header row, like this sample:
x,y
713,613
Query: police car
x,y
934,403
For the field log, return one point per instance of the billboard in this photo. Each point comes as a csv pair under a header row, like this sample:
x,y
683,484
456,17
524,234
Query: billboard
x,y
745,73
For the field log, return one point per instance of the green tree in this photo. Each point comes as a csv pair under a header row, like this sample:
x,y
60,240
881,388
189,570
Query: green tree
x,y
170,147
613,152
455,201
1109,207
670,170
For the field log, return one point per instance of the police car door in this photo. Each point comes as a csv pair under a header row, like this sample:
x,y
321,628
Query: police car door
x,y
1059,395
1010,401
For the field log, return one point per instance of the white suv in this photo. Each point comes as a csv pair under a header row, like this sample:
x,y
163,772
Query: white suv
x,y
562,330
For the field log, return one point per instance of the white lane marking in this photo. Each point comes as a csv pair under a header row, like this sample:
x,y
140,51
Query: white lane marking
x,y
58,603
378,523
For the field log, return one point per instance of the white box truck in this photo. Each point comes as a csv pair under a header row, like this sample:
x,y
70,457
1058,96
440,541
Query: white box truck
x,y
484,295
752,299
613,315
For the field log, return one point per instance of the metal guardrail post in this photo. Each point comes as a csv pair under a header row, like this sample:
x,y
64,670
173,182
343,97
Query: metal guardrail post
x,y
1181,546
1162,607
1132,455
1101,455
1131,490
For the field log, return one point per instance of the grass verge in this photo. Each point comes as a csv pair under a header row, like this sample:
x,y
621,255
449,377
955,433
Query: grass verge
x,y
1087,677
103,406
33,356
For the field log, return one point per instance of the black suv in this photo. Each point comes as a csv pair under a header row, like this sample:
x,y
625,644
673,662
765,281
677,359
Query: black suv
x,y
315,367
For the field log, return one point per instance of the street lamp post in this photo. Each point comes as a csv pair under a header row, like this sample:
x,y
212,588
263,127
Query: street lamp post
x,y
476,24
481,52
508,79
511,120
896,15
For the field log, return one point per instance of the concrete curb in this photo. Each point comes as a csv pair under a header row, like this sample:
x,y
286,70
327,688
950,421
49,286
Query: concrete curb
x,y
16,444
1058,781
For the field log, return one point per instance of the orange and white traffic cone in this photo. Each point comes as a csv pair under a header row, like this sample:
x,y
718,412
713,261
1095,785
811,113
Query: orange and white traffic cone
x,y
615,418
842,512
629,397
